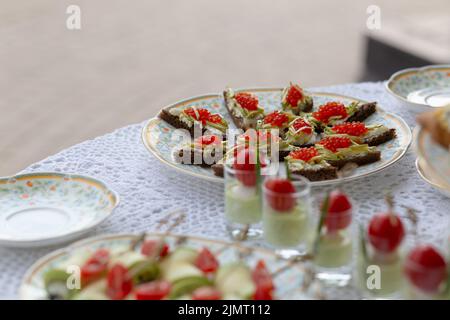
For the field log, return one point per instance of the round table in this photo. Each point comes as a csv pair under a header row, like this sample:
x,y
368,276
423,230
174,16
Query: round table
x,y
148,189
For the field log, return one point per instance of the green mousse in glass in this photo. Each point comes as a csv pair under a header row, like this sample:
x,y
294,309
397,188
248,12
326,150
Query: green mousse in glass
x,y
242,204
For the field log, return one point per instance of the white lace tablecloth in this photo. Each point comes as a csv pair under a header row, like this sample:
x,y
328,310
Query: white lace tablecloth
x,y
149,188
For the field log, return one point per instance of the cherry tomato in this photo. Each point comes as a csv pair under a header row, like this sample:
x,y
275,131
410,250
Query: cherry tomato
x,y
119,282
206,293
339,214
149,248
206,261
426,268
386,232
262,277
262,294
279,194
95,267
155,290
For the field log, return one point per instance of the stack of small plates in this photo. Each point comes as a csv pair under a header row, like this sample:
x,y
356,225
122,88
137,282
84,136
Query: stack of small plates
x,y
433,161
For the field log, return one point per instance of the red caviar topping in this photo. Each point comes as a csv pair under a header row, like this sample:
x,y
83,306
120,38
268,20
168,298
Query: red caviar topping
x,y
304,154
330,109
300,125
276,119
294,95
353,129
247,100
203,115
335,143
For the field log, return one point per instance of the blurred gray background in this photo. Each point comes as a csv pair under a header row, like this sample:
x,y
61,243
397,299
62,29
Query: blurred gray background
x,y
59,87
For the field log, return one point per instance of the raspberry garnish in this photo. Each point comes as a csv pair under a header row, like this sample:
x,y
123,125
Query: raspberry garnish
x,y
294,95
300,125
247,100
207,140
276,119
353,129
330,109
335,143
304,154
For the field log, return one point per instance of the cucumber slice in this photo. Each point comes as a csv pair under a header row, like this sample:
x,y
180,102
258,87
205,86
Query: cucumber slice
x,y
185,286
184,254
235,280
173,271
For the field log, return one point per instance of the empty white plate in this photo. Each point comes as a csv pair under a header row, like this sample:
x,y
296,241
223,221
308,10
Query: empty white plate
x,y
40,209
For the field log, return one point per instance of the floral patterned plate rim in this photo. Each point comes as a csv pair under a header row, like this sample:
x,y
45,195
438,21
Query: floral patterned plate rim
x,y
288,283
434,159
47,208
157,134
422,88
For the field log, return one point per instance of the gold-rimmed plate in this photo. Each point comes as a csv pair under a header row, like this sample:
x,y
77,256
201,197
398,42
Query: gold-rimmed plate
x,y
288,283
434,158
425,175
48,208
158,137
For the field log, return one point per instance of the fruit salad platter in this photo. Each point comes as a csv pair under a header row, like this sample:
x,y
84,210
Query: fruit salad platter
x,y
317,133
164,266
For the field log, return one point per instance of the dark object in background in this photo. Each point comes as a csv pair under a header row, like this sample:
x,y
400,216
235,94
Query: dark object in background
x,y
404,44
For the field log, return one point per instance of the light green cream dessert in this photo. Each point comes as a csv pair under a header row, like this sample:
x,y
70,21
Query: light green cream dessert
x,y
390,272
335,250
285,229
242,204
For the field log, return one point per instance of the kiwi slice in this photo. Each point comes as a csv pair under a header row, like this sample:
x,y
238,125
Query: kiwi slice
x,y
145,271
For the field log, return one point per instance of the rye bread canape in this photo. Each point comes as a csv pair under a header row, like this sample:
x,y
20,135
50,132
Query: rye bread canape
x,y
295,100
243,108
204,151
361,133
194,119
301,132
308,163
268,143
340,150
332,113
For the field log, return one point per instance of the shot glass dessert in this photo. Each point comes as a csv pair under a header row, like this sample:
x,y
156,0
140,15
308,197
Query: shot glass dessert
x,y
286,215
380,257
427,273
243,196
333,252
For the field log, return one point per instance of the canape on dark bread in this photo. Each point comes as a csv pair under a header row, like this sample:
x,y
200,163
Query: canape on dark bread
x,y
371,135
340,150
244,108
295,100
301,132
194,118
309,163
334,112
437,123
205,151
362,112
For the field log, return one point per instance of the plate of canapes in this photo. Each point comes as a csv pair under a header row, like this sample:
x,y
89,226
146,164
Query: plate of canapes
x,y
316,134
